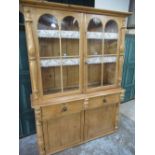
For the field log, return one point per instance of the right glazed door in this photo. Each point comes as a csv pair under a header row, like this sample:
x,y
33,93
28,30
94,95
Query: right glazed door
x,y
101,52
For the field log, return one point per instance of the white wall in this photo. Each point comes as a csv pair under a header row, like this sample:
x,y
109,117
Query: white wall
x,y
117,5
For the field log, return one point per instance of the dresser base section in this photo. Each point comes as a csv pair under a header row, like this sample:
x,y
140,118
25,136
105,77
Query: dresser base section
x,y
84,142
62,125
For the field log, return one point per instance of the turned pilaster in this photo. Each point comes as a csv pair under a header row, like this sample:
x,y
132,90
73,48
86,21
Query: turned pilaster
x,y
122,37
31,54
120,69
39,131
117,109
122,95
117,116
86,103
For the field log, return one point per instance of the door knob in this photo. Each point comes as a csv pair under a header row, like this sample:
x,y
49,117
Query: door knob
x,y
64,109
104,100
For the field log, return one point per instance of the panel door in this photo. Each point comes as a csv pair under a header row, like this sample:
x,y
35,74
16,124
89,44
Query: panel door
x,y
128,79
99,121
26,113
62,132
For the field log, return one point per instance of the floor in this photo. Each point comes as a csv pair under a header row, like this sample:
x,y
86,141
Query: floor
x,y
120,143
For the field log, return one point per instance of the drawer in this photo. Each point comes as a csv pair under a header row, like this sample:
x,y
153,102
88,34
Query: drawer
x,y
103,100
111,99
61,109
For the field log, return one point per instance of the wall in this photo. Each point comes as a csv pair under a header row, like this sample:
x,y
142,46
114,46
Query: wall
x,y
117,5
131,19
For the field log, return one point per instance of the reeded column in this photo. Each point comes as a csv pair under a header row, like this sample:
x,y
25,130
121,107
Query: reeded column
x,y
39,129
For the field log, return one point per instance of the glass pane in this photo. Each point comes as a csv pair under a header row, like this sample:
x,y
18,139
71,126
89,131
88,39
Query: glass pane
x,y
48,32
70,36
110,36
70,53
51,79
50,61
109,73
94,37
94,75
70,77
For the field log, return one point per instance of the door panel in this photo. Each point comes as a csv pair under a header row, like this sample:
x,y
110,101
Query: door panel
x,y
26,114
128,79
62,132
100,120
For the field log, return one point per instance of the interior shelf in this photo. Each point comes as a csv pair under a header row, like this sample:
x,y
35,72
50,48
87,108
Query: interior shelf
x,y
101,59
52,62
75,34
58,62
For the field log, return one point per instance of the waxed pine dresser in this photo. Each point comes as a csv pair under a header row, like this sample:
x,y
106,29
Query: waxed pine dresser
x,y
75,59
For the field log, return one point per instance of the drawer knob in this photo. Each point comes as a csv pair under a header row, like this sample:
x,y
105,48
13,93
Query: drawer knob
x,y
64,109
104,100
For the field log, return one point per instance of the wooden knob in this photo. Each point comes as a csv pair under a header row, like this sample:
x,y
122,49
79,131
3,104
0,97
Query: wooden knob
x,y
104,100
64,109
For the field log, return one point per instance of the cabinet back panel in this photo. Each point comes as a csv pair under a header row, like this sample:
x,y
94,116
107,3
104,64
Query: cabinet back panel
x,y
70,47
70,77
51,79
49,47
94,75
109,74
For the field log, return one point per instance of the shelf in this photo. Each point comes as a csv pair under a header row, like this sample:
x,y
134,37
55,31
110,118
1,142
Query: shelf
x,y
100,35
59,57
58,62
50,62
105,55
75,34
57,34
101,59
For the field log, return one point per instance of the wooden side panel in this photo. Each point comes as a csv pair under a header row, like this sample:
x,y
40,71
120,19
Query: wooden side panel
x,y
62,132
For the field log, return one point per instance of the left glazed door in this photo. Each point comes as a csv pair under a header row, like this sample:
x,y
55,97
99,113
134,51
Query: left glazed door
x,y
49,53
59,50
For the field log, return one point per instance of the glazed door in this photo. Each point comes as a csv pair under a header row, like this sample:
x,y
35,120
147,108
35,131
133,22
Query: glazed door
x,y
60,52
101,52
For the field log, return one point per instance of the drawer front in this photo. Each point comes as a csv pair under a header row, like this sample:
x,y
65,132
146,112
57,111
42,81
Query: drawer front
x,y
62,109
111,99
103,100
